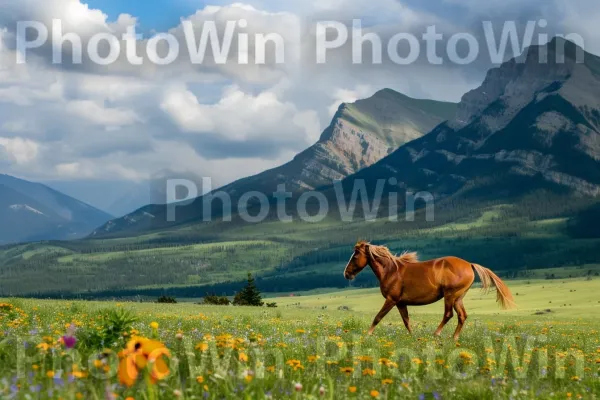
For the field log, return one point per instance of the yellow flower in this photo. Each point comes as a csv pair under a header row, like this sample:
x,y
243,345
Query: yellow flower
x,y
368,371
243,357
352,389
43,346
202,347
374,393
50,374
154,325
387,382
313,359
200,379
347,370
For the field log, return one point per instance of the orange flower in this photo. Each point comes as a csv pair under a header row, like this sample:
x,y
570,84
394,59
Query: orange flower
x,y
352,389
374,393
139,352
368,371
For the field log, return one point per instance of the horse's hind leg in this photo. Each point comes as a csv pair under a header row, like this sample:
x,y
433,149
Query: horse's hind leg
x,y
448,303
459,307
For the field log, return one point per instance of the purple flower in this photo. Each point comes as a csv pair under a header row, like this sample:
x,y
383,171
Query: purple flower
x,y
69,341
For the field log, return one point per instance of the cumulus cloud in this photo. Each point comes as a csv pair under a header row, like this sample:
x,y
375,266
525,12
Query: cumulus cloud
x,y
241,116
228,120
21,151
99,115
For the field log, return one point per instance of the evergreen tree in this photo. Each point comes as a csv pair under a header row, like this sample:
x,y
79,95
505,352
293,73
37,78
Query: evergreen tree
x,y
249,296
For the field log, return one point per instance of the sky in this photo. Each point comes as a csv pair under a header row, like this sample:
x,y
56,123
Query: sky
x,y
79,123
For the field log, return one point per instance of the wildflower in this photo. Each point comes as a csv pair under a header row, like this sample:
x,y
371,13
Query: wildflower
x,y
200,379
179,336
313,359
140,352
243,357
69,341
202,347
295,364
417,361
368,371
347,370
50,374
154,325
374,393
352,389
43,346
177,393
322,391
298,387
387,382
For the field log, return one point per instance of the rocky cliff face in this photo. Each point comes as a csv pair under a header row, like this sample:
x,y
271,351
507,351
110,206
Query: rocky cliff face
x,y
529,120
359,135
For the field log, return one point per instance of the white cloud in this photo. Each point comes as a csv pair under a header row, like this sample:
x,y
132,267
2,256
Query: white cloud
x,y
349,96
19,150
96,114
190,118
241,116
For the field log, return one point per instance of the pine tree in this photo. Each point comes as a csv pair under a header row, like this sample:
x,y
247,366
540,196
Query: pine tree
x,y
250,295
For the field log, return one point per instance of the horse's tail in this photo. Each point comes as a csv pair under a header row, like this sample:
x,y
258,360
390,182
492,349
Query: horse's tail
x,y
488,278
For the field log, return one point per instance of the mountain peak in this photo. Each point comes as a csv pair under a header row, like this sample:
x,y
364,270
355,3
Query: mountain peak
x,y
529,125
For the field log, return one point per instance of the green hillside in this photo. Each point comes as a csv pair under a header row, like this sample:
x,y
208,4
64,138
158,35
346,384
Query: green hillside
x,y
524,239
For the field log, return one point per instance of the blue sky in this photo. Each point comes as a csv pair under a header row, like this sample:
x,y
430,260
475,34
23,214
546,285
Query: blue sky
x,y
159,15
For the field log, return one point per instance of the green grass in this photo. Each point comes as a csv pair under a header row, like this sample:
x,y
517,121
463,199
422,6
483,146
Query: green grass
x,y
258,353
566,298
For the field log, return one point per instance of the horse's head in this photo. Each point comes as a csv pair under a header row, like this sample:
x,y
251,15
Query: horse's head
x,y
358,261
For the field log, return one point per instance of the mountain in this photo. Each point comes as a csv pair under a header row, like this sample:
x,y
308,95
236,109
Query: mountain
x,y
359,135
529,126
32,211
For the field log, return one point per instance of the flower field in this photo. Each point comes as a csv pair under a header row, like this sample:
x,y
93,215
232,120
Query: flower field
x,y
87,350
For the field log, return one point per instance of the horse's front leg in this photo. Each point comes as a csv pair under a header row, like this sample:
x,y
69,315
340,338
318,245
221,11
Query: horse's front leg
x,y
387,306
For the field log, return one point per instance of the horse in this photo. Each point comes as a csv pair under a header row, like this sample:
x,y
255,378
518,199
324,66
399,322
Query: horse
x,y
406,281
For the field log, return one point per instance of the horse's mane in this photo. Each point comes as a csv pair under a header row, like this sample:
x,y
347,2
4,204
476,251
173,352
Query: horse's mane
x,y
405,257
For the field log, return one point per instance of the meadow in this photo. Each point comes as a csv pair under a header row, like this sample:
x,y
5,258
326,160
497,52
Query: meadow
x,y
313,345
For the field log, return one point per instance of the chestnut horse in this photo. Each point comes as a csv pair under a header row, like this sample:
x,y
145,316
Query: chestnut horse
x,y
404,281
